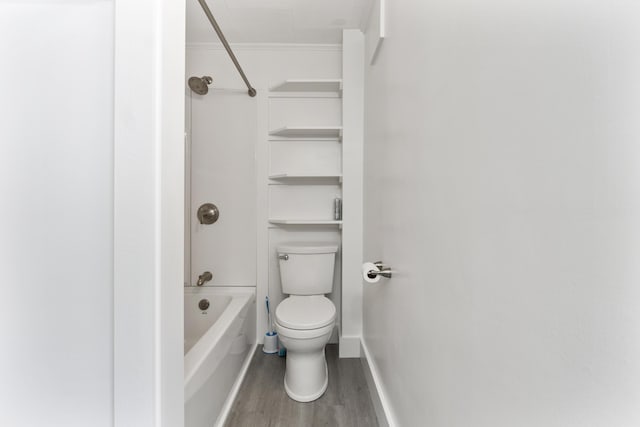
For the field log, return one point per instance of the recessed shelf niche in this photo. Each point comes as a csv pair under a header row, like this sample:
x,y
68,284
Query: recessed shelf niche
x,y
305,156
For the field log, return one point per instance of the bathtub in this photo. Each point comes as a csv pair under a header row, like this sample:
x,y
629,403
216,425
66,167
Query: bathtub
x,y
219,342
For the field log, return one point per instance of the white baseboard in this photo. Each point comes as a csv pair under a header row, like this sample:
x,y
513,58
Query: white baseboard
x,y
379,398
349,347
226,408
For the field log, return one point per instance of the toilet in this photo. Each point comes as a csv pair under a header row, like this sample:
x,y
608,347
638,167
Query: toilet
x,y
305,320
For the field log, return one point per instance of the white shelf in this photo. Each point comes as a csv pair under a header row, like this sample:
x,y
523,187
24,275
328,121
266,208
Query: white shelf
x,y
304,85
305,221
303,176
308,131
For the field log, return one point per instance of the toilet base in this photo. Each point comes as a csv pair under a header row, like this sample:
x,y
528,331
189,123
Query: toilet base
x,y
306,374
309,397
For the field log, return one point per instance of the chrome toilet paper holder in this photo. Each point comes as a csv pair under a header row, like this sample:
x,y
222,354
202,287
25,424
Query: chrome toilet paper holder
x,y
382,270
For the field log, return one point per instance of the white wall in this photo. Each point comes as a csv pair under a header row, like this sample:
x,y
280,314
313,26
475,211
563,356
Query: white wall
x,y
502,172
230,130
56,222
91,168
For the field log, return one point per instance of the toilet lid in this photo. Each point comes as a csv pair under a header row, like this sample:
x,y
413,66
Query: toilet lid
x,y
305,312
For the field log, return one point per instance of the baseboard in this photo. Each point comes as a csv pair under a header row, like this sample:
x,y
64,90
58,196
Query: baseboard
x,y
226,408
349,347
381,403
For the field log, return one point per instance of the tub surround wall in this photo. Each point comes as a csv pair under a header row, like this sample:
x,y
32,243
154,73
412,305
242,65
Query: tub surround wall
x,y
221,132
501,182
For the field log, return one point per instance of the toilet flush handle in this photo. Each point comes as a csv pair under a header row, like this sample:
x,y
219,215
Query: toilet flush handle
x,y
283,256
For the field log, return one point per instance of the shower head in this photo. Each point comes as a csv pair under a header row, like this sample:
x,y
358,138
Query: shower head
x,y
200,85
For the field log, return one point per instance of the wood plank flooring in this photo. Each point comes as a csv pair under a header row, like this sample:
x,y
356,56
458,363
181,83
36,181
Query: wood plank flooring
x,y
262,400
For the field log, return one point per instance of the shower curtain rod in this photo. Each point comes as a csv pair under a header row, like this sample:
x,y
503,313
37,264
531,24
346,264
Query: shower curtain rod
x,y
223,39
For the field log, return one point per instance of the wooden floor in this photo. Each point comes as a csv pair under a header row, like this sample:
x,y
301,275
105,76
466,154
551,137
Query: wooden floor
x,y
262,400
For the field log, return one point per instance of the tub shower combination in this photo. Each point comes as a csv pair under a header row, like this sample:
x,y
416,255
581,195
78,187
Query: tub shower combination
x,y
219,322
219,340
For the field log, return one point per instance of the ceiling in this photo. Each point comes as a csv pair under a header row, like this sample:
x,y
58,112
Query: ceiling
x,y
276,21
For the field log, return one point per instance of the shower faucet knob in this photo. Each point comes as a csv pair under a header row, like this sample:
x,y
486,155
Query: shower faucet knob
x,y
208,213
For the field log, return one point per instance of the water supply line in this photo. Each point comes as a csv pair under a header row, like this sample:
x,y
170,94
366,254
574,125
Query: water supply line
x,y
223,39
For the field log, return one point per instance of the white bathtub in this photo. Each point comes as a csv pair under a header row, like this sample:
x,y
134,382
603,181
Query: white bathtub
x,y
218,345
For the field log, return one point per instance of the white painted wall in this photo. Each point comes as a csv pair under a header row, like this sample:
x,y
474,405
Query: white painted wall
x,y
236,130
91,167
56,222
502,172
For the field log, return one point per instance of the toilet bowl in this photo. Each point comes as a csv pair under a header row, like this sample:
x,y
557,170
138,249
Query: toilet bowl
x,y
304,325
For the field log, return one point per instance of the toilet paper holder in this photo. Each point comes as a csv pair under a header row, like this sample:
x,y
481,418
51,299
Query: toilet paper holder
x,y
381,271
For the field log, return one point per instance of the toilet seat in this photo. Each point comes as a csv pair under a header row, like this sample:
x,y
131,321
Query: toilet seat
x,y
304,334
305,313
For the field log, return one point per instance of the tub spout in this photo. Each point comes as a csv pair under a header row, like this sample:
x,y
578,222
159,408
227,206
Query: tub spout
x,y
204,277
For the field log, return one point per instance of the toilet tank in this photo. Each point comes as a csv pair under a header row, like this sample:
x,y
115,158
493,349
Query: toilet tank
x,y
306,268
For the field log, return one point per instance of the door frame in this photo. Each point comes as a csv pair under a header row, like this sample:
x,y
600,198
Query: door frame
x,y
148,212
